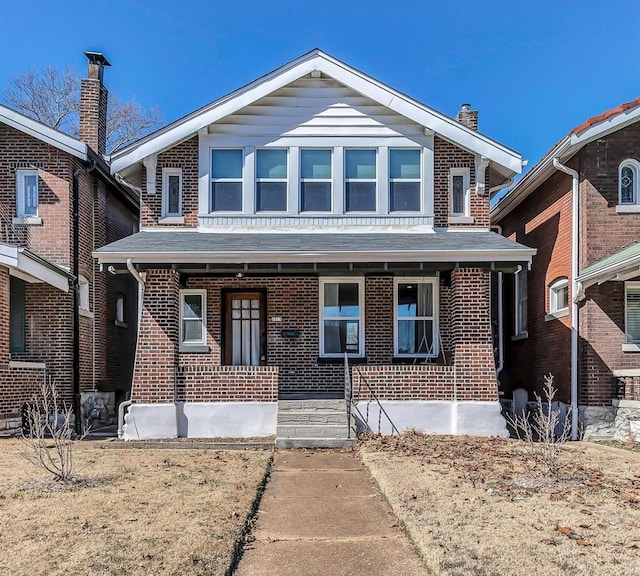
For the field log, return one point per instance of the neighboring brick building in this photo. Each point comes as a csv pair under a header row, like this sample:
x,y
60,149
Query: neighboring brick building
x,y
315,212
593,260
53,186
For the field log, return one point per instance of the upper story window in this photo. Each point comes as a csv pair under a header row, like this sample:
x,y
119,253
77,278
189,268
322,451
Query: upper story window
x,y
628,173
27,193
171,191
416,317
404,180
315,180
271,180
226,180
459,186
341,316
360,180
83,294
520,300
559,296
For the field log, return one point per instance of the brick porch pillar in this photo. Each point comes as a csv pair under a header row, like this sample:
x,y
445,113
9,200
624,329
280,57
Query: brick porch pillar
x,y
471,334
154,378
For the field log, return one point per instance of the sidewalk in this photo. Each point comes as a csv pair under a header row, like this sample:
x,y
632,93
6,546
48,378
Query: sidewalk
x,y
322,515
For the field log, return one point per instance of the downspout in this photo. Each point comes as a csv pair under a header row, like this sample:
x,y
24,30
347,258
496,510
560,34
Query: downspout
x,y
124,405
575,289
75,270
500,366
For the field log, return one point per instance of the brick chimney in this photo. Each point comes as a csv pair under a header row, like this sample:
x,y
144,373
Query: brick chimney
x,y
93,104
468,117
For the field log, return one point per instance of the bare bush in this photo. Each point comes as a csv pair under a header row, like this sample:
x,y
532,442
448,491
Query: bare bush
x,y
542,432
49,444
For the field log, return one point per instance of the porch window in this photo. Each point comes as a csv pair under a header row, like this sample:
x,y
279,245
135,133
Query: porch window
x,y
520,300
460,191
226,180
315,180
559,296
27,193
628,172
360,180
416,317
271,180
632,312
16,315
404,180
193,317
171,192
341,317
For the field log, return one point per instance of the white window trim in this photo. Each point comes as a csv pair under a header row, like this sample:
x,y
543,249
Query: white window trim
x,y
84,297
331,179
466,175
635,167
286,180
203,293
518,329
374,180
166,172
630,344
436,299
119,312
554,287
212,180
420,180
343,280
20,192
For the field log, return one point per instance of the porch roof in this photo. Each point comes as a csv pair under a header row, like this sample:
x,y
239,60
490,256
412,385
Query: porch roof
x,y
620,266
179,247
30,267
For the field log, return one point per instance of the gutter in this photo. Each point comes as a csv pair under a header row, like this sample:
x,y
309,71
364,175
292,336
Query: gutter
x,y
575,290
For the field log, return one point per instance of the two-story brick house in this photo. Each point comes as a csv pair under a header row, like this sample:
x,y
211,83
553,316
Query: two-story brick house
x,y
579,206
312,214
60,318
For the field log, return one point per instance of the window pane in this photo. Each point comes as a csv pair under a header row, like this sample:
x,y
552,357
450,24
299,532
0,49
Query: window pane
x,y
315,164
173,200
271,196
405,196
458,195
226,163
415,337
404,164
341,300
415,300
562,298
627,185
360,196
30,183
316,196
271,164
633,314
191,330
360,164
341,336
226,196
192,307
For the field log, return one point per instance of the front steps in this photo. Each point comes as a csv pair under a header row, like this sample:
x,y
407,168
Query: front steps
x,y
313,423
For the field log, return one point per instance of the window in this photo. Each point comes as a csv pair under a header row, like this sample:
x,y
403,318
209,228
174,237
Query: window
x,y
226,180
271,180
83,294
404,180
120,310
171,191
192,317
520,299
460,191
415,317
17,328
360,180
559,296
341,317
632,312
27,186
628,172
315,180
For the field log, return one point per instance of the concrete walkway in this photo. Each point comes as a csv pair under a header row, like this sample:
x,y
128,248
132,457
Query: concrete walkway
x,y
321,514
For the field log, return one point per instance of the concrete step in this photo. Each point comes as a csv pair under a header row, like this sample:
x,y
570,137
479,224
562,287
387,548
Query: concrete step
x,y
312,405
314,442
312,431
312,417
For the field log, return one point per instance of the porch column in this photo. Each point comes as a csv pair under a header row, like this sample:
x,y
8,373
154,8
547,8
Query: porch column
x,y
154,379
471,334
4,316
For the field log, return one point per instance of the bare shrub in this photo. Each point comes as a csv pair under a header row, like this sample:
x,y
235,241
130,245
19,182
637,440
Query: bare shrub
x,y
542,432
49,445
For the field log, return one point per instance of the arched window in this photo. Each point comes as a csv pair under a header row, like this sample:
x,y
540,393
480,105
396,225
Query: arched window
x,y
628,173
559,295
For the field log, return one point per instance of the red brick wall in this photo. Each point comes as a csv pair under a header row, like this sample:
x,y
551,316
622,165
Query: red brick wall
x,y
419,382
93,114
4,315
197,383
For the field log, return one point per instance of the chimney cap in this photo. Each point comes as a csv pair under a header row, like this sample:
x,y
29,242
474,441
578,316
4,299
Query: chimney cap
x,y
97,58
466,106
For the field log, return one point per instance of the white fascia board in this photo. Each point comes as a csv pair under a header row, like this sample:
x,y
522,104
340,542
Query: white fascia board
x,y
44,133
31,270
446,127
523,255
609,272
606,126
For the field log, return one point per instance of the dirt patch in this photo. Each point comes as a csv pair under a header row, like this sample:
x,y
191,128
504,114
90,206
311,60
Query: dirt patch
x,y
474,507
129,512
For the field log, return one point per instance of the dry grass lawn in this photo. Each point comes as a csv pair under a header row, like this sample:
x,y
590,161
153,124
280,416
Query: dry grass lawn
x,y
132,511
473,507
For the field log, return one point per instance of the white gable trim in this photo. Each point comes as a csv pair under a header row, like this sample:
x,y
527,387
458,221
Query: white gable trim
x,y
316,60
22,265
43,133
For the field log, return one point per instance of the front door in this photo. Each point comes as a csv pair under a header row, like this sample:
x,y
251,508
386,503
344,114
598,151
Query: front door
x,y
245,329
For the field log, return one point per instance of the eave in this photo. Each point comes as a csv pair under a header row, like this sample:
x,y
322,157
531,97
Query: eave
x,y
32,268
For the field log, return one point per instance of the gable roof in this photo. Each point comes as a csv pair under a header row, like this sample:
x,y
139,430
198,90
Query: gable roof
x,y
318,61
595,127
43,132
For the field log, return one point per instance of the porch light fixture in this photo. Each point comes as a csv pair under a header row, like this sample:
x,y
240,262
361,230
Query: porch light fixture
x,y
240,275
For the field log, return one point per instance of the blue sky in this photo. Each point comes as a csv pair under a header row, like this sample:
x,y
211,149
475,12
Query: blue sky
x,y
533,70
